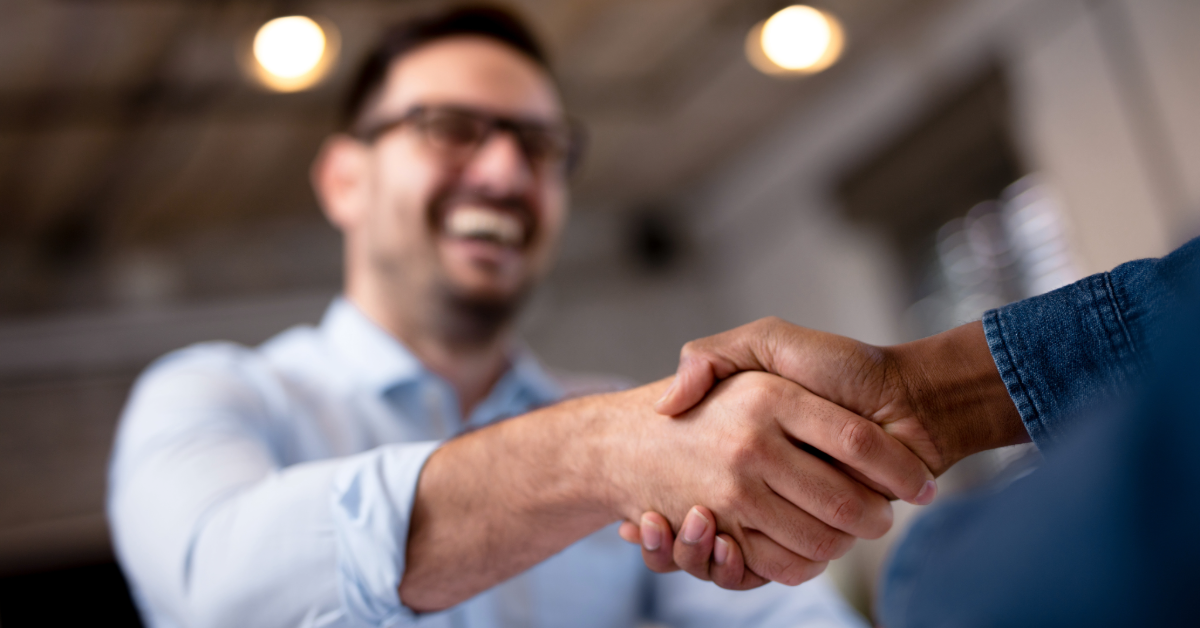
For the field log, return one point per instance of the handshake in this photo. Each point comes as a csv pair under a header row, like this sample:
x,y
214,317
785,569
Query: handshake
x,y
775,446
773,449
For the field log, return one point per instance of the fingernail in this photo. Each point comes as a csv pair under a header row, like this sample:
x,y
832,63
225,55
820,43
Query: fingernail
x,y
694,527
721,551
651,535
670,389
928,492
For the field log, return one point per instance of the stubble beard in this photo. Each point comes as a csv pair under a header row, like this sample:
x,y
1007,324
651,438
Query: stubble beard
x,y
464,320
470,321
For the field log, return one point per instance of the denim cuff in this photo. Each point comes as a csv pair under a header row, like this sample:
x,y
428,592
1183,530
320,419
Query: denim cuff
x,y
1062,352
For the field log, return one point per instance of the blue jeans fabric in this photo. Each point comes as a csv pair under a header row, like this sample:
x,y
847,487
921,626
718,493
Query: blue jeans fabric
x,y
1103,534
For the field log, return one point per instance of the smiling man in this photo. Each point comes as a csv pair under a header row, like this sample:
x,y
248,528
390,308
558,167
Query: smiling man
x,y
407,461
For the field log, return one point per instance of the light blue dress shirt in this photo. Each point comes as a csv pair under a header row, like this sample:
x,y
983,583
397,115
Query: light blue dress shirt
x,y
272,486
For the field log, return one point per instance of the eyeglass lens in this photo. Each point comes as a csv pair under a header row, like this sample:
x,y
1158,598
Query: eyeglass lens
x,y
460,133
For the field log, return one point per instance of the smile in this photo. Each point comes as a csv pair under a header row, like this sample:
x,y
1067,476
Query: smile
x,y
481,223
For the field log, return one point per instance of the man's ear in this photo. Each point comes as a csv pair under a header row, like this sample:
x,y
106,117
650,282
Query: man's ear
x,y
339,178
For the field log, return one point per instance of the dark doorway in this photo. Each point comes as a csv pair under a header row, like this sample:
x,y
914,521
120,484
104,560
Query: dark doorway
x,y
93,595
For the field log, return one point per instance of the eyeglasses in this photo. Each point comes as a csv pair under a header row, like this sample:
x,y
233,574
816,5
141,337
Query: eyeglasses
x,y
457,132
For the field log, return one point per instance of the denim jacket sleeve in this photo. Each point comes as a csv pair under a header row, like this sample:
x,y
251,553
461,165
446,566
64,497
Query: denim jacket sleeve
x,y
1063,351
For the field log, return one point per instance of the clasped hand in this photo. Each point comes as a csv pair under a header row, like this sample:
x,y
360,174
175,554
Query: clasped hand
x,y
817,443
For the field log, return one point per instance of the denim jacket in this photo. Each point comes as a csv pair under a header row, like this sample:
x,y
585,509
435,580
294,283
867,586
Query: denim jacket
x,y
1104,533
1062,353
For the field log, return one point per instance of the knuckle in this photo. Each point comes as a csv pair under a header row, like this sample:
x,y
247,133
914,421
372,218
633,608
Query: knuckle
x,y
743,453
758,392
656,563
729,499
739,439
831,546
726,581
788,571
847,510
857,440
774,569
697,569
877,520
813,570
768,322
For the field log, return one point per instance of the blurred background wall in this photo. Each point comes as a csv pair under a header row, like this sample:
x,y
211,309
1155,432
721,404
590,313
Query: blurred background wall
x,y
960,154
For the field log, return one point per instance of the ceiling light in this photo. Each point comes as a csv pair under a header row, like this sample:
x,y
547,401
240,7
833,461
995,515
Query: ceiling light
x,y
293,53
796,40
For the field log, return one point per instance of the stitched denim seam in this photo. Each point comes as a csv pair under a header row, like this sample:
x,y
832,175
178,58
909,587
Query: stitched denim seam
x,y
1011,375
1030,395
1116,306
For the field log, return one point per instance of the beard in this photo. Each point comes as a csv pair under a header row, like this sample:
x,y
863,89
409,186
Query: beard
x,y
467,319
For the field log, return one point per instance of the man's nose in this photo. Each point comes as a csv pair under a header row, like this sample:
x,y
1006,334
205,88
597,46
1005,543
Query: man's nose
x,y
500,165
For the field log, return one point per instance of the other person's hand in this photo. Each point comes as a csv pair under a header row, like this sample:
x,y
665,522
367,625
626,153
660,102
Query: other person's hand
x,y
941,397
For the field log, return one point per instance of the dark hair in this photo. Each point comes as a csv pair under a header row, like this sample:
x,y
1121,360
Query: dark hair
x,y
404,37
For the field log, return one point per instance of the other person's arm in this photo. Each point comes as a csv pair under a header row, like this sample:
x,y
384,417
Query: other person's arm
x,y
940,397
1053,354
1023,373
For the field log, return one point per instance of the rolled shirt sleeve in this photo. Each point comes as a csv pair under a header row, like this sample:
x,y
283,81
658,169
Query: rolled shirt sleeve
x,y
1068,350
372,506
215,530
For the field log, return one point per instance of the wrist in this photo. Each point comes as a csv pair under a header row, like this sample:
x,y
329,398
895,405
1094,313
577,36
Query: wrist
x,y
614,446
955,389
593,452
580,446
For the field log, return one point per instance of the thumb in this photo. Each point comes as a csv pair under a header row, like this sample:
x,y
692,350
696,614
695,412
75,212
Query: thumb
x,y
705,361
693,379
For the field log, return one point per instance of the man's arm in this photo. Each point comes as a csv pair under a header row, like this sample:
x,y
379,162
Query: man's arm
x,y
208,524
497,501
215,527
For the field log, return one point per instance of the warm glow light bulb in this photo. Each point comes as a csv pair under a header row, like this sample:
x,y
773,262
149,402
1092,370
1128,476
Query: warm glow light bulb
x,y
289,47
796,40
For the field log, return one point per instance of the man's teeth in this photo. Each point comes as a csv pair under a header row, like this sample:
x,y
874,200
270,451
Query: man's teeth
x,y
472,222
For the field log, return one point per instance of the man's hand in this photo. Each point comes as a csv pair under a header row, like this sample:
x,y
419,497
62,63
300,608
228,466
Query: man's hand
x,y
941,397
699,549
784,506
498,500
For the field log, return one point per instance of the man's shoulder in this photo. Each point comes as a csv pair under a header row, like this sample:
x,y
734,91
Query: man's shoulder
x,y
231,362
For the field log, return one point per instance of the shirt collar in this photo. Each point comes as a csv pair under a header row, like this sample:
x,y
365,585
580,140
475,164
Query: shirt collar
x,y
378,360
375,358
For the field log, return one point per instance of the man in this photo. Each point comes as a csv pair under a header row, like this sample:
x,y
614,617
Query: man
x,y
309,481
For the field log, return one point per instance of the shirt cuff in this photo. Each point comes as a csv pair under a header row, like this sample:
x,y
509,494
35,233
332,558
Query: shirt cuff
x,y
372,507
1060,353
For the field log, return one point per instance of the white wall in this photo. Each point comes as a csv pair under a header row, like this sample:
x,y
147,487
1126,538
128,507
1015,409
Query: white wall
x,y
1111,120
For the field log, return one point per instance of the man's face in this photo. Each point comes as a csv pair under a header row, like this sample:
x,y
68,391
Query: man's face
x,y
480,226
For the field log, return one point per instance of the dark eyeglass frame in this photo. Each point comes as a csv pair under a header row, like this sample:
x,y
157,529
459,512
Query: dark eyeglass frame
x,y
570,136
